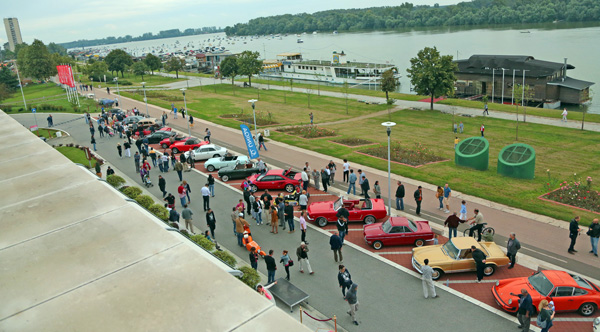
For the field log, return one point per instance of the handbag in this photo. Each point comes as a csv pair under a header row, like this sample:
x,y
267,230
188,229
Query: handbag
x,y
290,263
541,323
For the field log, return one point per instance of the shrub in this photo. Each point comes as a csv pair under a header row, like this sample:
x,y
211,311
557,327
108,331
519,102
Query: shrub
x,y
308,131
203,242
414,156
226,257
160,211
145,201
250,277
125,82
185,233
115,181
132,192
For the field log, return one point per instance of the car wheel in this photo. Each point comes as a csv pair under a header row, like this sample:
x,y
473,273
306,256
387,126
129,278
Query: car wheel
x,y
210,168
489,269
216,155
377,245
369,220
437,274
289,188
419,243
225,178
165,146
322,222
587,309
253,188
175,150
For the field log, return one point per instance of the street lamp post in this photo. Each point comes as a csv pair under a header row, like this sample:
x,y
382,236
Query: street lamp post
x,y
389,126
145,99
523,96
512,98
117,81
502,99
493,83
186,110
253,101
23,95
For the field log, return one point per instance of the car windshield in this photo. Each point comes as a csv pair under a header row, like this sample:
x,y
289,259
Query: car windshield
x,y
260,177
541,284
412,226
338,204
217,147
581,282
450,250
386,226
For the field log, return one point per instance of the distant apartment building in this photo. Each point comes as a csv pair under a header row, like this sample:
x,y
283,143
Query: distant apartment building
x,y
13,32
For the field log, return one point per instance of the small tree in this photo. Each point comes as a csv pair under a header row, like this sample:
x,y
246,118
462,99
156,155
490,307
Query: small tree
x,y
160,211
226,257
132,192
202,241
174,64
145,201
153,62
431,74
230,68
250,277
389,82
249,64
139,68
115,181
118,60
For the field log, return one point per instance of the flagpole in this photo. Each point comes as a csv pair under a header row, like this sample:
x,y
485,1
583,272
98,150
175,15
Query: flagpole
x,y
74,87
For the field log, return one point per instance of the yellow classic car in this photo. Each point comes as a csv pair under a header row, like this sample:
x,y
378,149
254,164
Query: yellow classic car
x,y
455,256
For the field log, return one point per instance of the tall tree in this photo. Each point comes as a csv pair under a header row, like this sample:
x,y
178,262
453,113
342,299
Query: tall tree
x,y
431,74
35,61
96,70
8,78
5,91
230,68
118,60
249,64
153,62
174,64
139,68
389,82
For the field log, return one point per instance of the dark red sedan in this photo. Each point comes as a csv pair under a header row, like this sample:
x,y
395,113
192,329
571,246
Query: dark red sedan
x,y
397,231
276,179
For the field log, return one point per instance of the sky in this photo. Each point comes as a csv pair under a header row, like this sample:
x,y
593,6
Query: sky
x,y
68,20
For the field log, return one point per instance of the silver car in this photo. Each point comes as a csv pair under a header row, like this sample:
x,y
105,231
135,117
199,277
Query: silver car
x,y
228,160
207,151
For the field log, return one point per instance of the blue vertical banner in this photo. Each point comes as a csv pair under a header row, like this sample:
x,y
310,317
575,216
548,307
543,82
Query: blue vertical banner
x,y
250,144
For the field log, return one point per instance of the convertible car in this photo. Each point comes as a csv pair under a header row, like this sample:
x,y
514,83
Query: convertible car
x,y
165,143
276,179
228,160
241,170
369,210
187,145
397,231
207,151
455,256
569,292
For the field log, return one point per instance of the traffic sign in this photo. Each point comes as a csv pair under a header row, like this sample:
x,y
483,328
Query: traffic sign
x,y
33,110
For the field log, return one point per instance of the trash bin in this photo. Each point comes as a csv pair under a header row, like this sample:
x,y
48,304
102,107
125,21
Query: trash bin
x,y
267,133
58,134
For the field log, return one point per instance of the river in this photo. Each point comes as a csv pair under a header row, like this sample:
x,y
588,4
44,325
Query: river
x,y
579,43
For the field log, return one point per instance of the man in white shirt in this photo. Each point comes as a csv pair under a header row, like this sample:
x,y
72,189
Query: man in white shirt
x,y
205,196
427,280
564,115
305,179
346,167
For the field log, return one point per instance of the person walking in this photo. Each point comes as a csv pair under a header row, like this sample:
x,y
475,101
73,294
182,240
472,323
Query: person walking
x,y
324,179
261,142
335,242
302,254
352,298
289,216
191,120
477,224
179,169
316,176
271,267
286,261
304,177
207,135
186,214
525,310
170,199
485,109
165,162
342,223
479,258
452,222
205,197
120,150
427,280
262,167
594,233
152,154
365,187
482,129
564,115
344,279
174,216
253,258
281,213
127,147
440,196
182,195
573,234
461,128
240,222
346,169
302,226
211,222
512,246
93,142
211,185
400,192
447,194
545,316
352,182
303,200
377,189
418,199
136,160
162,184
463,210
332,169
274,216
50,121
234,216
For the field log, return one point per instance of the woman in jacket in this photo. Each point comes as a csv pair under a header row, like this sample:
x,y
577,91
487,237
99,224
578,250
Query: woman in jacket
x,y
285,260
546,316
274,219
440,196
377,189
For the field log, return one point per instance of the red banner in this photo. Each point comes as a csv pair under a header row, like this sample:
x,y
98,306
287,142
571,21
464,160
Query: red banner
x,y
69,78
61,74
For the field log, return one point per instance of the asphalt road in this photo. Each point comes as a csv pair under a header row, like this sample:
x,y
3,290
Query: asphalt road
x,y
390,300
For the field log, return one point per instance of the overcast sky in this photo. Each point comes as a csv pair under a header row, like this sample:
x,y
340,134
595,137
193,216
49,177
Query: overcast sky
x,y
67,20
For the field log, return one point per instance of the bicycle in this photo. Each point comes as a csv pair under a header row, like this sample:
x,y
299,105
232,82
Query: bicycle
x,y
484,231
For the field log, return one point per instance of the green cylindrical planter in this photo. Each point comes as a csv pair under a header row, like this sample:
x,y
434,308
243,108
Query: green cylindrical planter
x,y
517,161
473,152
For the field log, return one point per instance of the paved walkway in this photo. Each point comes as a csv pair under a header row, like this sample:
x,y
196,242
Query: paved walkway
x,y
542,237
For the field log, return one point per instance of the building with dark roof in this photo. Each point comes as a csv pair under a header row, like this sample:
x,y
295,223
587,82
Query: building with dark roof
x,y
482,75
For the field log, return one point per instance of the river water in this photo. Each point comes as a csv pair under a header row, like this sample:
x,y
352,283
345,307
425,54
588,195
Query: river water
x,y
579,43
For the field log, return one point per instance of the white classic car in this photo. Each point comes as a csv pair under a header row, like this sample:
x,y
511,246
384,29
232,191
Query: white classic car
x,y
207,151
228,160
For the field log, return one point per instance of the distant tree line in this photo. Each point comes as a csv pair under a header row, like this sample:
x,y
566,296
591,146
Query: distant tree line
x,y
146,36
407,15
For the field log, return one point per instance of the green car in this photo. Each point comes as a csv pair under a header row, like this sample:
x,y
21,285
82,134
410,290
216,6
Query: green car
x,y
241,170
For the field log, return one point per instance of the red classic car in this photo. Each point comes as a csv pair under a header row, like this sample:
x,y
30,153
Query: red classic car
x,y
165,143
148,132
189,144
367,210
275,179
397,231
569,292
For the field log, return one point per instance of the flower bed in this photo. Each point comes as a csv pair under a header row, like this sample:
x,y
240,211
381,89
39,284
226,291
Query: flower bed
x,y
308,131
352,141
417,155
576,194
260,120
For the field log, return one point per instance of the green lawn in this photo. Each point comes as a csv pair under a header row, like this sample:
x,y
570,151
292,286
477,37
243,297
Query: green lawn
x,y
75,155
563,151
48,133
137,80
46,98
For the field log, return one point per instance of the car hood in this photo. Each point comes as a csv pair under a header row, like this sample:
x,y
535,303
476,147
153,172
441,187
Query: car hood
x,y
252,178
373,230
435,254
212,160
320,207
514,285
